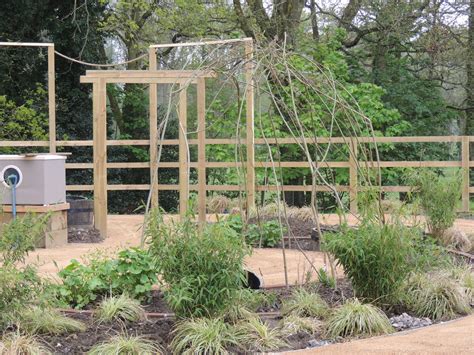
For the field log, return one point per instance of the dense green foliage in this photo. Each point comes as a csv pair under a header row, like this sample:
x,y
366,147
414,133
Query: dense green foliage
x,y
201,268
378,257
133,272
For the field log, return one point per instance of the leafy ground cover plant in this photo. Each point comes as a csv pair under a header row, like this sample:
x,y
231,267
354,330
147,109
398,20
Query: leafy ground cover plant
x,y
436,295
203,336
257,335
133,272
354,318
24,344
439,197
127,344
325,279
303,303
48,321
121,308
377,257
266,234
201,269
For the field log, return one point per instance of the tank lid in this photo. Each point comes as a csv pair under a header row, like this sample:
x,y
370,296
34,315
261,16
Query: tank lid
x,y
31,156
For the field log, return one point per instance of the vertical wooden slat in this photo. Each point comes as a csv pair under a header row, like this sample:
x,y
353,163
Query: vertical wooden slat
x,y
353,179
201,114
51,100
153,133
183,153
249,96
465,173
100,155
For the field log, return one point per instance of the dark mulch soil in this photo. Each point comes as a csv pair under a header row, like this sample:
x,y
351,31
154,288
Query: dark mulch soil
x,y
157,330
83,235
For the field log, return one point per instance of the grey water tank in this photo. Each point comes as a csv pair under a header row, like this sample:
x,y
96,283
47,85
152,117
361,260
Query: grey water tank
x,y
41,179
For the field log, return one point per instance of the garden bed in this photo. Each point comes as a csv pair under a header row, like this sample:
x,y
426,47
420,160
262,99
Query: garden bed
x,y
160,322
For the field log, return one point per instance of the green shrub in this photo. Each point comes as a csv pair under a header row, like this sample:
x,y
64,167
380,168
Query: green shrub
x,y
256,335
439,197
19,287
302,303
377,258
133,272
19,236
354,318
210,336
436,295
126,344
202,269
48,321
121,308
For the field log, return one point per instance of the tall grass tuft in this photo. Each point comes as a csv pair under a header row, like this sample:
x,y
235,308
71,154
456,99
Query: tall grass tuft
x,y
125,344
120,308
437,295
258,336
354,318
48,321
17,344
302,303
203,336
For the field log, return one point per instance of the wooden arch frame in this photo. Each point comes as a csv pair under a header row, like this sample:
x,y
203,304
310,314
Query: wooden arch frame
x,y
100,78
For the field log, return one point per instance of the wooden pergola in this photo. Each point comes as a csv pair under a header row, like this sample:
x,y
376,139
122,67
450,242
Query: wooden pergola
x,y
182,78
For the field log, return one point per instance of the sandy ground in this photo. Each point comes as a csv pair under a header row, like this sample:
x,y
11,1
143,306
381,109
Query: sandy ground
x,y
455,337
126,231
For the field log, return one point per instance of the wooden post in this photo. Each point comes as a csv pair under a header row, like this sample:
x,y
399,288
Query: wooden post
x,y
250,138
100,155
51,100
153,133
201,114
465,173
353,179
183,153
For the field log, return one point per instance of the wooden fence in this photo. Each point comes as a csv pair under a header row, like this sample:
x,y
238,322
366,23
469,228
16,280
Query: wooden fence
x,y
100,165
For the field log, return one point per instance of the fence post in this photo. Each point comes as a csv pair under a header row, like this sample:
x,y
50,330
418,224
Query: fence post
x,y
99,101
201,113
183,152
353,179
465,173
153,133
51,100
250,137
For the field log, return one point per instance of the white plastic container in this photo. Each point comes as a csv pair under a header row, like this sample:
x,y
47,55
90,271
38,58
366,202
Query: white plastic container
x,y
42,179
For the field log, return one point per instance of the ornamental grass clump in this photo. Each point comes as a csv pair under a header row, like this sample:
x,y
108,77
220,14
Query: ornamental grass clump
x,y
22,344
291,325
302,303
121,308
126,344
203,336
436,295
256,335
354,318
48,321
